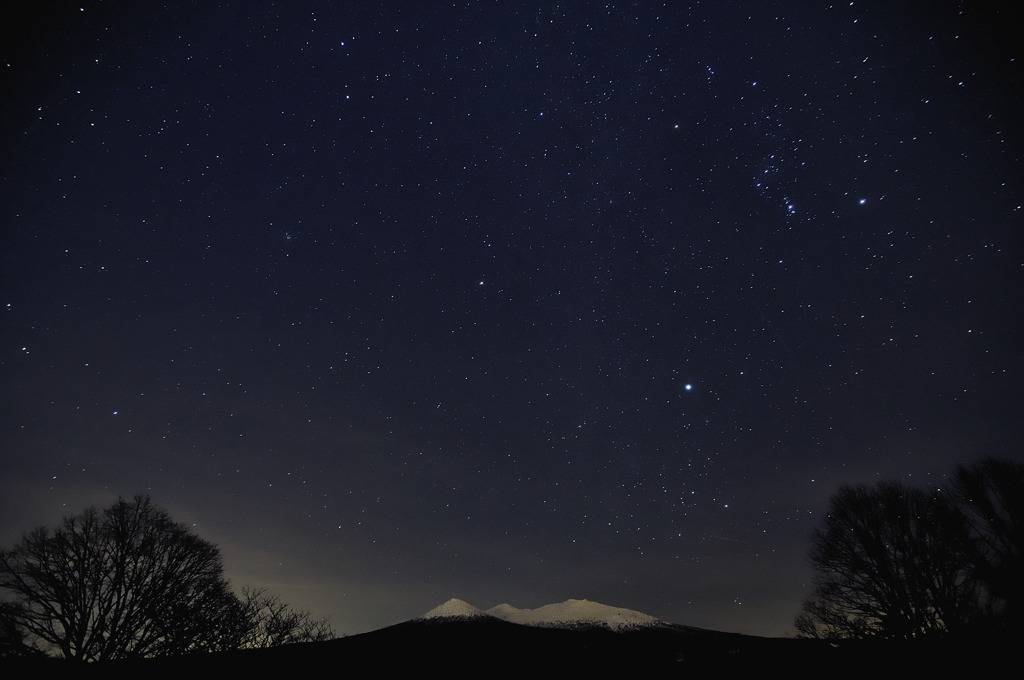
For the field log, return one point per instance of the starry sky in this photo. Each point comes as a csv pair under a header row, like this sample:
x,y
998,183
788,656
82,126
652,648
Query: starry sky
x,y
507,301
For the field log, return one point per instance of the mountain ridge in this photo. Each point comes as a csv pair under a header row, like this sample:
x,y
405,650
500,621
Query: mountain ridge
x,y
570,613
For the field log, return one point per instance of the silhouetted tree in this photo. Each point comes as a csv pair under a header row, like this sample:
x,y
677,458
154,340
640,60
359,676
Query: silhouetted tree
x,y
990,496
271,623
12,640
893,562
123,582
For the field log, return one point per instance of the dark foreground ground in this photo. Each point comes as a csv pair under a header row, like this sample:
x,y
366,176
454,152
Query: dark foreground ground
x,y
459,648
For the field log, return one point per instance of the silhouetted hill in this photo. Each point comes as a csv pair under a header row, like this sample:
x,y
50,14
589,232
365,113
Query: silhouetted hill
x,y
489,647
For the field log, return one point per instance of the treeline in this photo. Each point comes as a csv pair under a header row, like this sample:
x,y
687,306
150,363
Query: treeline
x,y
129,582
899,562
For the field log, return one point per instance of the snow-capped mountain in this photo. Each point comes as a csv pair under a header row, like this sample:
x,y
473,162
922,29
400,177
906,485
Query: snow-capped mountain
x,y
570,613
453,608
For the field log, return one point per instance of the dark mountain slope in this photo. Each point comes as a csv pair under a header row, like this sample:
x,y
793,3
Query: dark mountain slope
x,y
487,647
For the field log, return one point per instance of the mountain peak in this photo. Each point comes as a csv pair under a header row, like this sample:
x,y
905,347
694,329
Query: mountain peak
x,y
453,608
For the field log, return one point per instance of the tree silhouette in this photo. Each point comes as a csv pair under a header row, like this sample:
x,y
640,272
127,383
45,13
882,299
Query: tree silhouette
x,y
990,496
896,562
12,640
272,623
890,561
120,583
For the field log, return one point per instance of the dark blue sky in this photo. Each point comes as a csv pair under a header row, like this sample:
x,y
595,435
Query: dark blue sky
x,y
398,302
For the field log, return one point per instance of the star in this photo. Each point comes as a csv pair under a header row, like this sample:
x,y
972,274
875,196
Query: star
x,y
316,293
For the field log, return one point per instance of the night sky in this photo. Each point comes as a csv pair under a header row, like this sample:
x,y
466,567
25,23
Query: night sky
x,y
507,301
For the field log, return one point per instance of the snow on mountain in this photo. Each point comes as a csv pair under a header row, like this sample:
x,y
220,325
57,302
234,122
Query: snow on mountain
x,y
506,612
569,613
453,608
574,612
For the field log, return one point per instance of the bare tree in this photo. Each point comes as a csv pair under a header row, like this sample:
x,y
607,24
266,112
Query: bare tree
x,y
990,495
892,562
271,623
122,582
